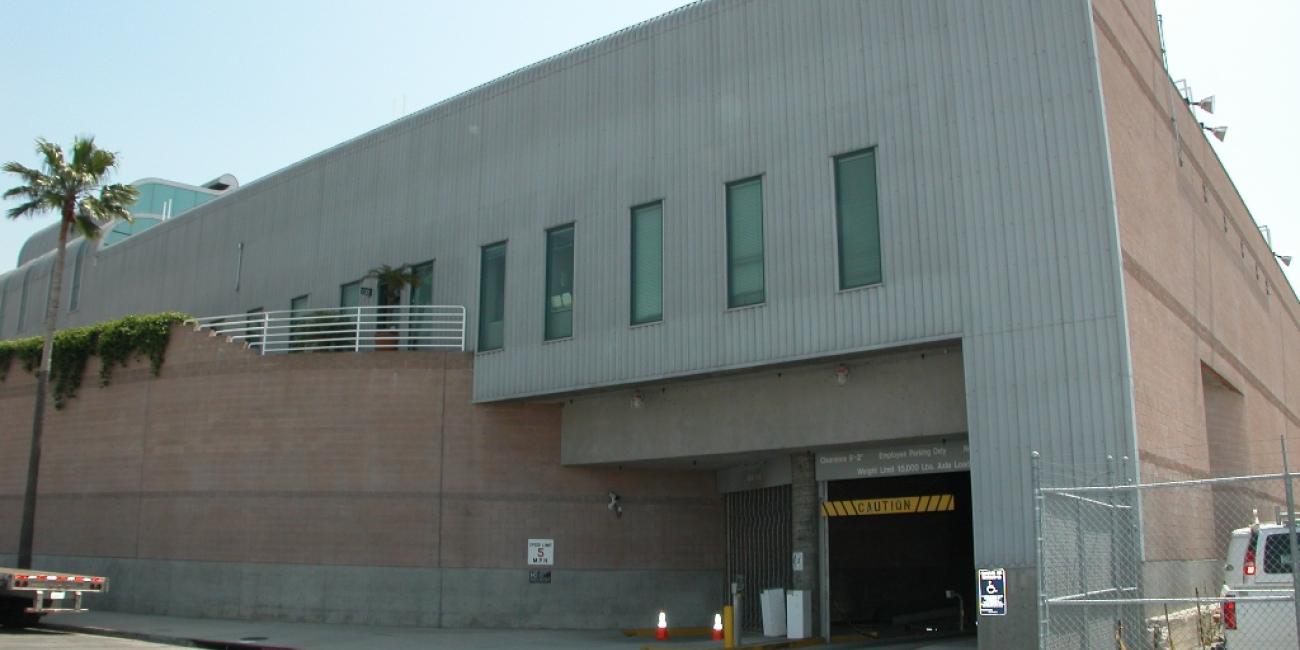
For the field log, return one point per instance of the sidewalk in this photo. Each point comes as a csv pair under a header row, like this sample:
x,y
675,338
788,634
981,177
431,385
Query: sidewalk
x,y
193,632
277,635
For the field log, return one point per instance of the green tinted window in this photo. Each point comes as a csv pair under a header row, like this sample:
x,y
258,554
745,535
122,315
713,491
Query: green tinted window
x,y
559,282
158,199
350,294
492,297
22,300
162,194
745,284
144,200
76,278
421,331
122,229
422,290
182,200
647,263
858,219
298,307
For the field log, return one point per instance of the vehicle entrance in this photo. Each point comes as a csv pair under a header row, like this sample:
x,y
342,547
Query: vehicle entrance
x,y
901,550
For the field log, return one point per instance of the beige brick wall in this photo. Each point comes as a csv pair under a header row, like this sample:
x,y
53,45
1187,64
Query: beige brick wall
x,y
1202,288
1207,304
332,459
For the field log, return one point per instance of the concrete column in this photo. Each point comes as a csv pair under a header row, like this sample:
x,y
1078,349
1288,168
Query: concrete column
x,y
804,510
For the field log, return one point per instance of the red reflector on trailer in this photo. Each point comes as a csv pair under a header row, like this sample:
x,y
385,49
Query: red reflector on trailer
x,y
1230,614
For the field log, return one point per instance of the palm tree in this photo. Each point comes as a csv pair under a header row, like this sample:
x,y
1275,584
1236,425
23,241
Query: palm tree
x,y
392,280
76,190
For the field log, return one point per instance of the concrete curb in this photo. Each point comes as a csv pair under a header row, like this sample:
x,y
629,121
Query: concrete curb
x,y
764,645
182,642
684,632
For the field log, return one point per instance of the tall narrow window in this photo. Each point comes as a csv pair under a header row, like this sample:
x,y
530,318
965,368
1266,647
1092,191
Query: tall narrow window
x,y
857,219
647,263
422,289
745,284
255,321
22,301
492,297
4,300
350,299
350,294
559,282
76,278
298,326
49,294
421,333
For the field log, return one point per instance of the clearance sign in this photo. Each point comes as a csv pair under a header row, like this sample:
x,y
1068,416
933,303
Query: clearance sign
x,y
890,506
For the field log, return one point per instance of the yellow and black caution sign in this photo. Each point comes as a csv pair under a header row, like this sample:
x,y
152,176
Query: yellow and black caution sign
x,y
890,506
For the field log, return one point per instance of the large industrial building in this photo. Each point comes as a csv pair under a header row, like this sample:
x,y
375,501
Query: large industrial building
x,y
735,266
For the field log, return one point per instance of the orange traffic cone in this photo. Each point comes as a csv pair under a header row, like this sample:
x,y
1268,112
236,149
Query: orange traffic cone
x,y
661,632
717,627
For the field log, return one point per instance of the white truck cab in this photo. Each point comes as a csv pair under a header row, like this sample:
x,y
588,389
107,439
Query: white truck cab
x,y
1258,592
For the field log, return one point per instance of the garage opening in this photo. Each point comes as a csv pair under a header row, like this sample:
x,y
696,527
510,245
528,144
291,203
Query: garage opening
x,y
901,551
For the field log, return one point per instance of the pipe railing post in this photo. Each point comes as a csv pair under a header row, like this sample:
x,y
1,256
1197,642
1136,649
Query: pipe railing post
x,y
357,345
1044,627
266,330
1291,533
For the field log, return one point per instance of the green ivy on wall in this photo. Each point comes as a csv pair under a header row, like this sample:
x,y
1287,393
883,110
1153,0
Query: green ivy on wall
x,y
116,343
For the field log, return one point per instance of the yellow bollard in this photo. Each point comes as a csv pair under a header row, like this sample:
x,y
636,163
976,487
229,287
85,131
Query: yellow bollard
x,y
728,627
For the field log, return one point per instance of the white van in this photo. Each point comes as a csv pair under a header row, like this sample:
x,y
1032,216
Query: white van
x,y
1259,596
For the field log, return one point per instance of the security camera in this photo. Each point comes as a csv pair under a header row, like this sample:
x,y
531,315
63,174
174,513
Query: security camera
x,y
615,504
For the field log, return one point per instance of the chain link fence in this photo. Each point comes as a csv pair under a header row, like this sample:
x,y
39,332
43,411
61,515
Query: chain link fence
x,y
1189,563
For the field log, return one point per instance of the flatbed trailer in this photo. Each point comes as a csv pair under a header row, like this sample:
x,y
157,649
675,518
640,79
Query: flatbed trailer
x,y
28,594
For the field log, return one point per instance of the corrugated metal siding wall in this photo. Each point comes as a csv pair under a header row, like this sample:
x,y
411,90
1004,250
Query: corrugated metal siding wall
x,y
996,220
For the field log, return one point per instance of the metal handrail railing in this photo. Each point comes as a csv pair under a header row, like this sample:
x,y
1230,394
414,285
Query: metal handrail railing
x,y
352,329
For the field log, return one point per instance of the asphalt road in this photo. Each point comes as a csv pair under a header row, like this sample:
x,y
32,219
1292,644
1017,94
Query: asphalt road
x,y
53,640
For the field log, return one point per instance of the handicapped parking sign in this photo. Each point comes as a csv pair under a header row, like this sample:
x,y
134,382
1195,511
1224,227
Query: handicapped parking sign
x,y
993,592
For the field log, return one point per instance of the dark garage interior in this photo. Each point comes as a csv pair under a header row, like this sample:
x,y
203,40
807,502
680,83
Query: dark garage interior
x,y
890,573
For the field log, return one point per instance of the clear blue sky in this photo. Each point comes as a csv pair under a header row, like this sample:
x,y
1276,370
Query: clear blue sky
x,y
190,90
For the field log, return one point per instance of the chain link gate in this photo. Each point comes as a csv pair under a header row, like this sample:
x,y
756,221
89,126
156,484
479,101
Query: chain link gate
x,y
1142,566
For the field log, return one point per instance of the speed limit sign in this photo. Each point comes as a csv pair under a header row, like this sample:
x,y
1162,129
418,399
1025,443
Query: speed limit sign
x,y
541,552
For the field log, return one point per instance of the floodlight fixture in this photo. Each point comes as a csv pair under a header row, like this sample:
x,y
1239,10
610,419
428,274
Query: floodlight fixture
x,y
1185,89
